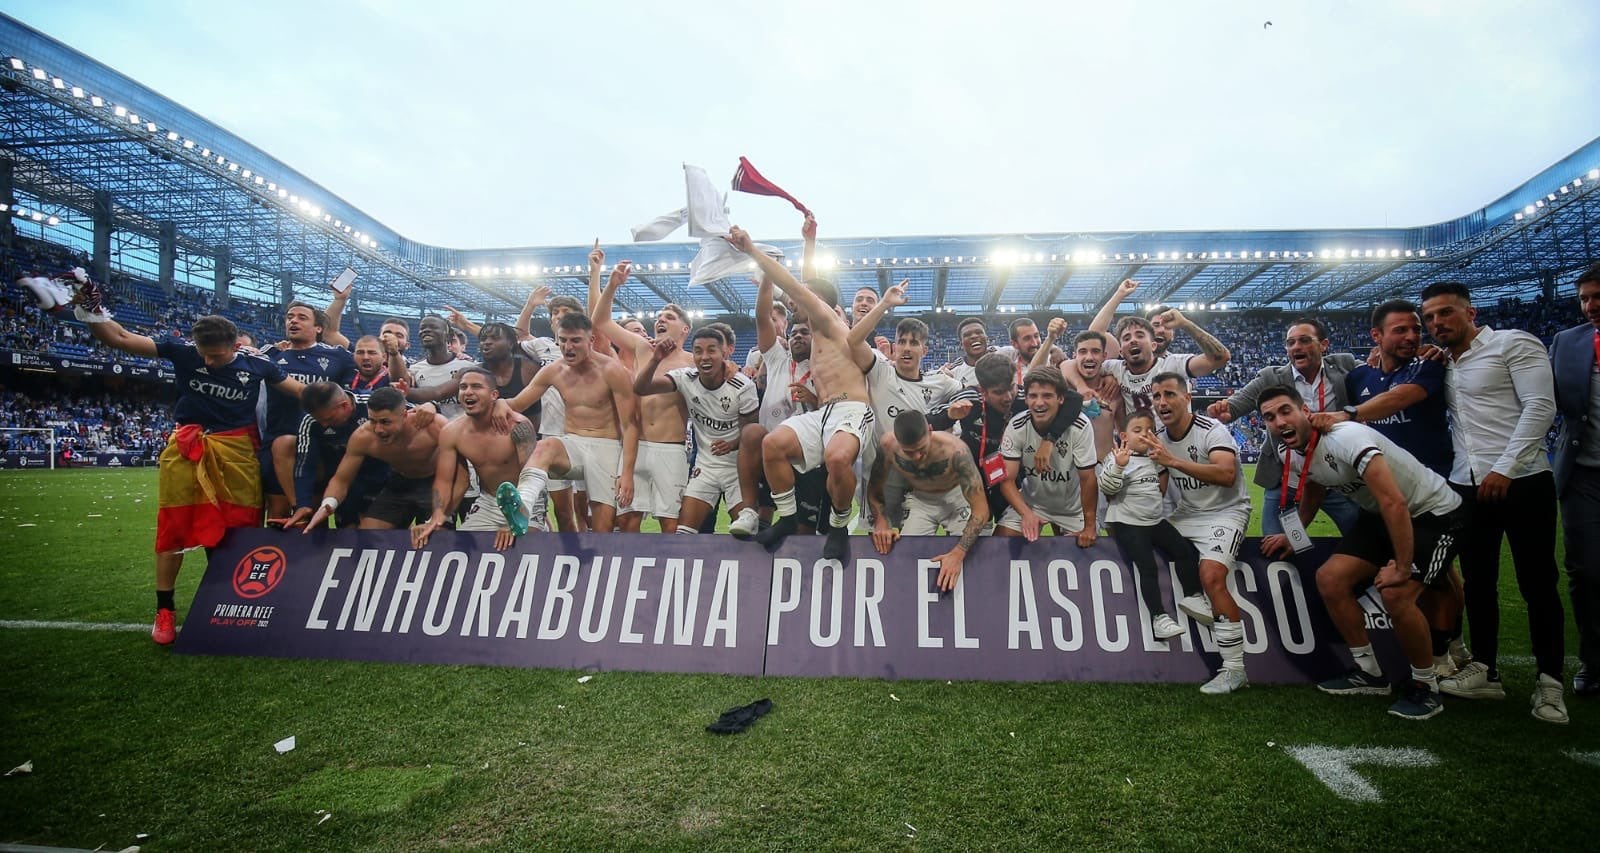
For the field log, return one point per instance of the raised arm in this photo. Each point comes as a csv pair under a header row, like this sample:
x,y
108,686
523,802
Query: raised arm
x,y
1057,328
399,372
535,300
1213,355
893,298
633,347
1102,318
335,313
820,313
766,330
111,333
645,381
599,341
460,321
808,252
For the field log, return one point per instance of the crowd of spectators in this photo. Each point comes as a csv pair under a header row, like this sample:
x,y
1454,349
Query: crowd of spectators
x,y
135,418
1253,337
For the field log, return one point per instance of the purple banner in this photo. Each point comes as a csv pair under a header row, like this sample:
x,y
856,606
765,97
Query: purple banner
x,y
1046,611
585,601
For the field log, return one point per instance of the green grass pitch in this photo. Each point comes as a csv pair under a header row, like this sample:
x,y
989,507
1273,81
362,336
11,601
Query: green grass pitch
x,y
127,738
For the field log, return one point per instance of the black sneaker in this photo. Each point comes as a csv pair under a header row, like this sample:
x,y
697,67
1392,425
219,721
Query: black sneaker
x,y
1586,683
780,530
1420,702
838,545
1356,682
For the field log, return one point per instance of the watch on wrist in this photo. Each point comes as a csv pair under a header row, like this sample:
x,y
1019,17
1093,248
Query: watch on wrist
x,y
1350,412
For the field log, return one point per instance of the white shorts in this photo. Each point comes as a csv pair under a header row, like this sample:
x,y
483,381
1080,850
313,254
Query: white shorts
x,y
1217,535
1012,520
659,478
557,485
594,465
926,512
715,478
817,428
484,514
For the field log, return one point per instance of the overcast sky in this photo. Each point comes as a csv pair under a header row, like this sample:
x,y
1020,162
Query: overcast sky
x,y
473,124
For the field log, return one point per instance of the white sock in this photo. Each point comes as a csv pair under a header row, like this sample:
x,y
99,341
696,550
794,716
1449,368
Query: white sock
x,y
786,504
1366,660
1230,643
1426,676
532,484
839,519
685,529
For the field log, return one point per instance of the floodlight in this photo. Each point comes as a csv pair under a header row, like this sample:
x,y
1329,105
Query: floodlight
x,y
120,111
17,64
96,100
57,83
38,74
55,220
188,143
77,92
1422,253
1594,174
1517,217
1004,258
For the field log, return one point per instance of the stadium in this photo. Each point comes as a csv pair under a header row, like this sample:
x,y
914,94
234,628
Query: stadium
x,y
128,744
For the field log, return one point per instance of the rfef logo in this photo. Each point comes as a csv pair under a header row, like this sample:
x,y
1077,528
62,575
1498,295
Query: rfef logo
x,y
259,571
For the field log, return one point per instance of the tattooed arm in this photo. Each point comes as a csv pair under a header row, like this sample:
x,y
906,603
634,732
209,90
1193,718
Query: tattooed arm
x,y
972,489
523,439
883,533
1213,355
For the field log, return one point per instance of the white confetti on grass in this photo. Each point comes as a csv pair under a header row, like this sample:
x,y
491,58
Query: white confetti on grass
x,y
1590,758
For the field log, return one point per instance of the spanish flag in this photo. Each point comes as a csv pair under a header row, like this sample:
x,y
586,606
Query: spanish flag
x,y
209,482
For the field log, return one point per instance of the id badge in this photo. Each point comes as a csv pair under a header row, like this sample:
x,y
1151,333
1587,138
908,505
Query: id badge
x,y
1294,529
994,471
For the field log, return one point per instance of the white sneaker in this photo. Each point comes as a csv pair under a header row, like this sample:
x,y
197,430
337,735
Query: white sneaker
x,y
1472,681
1548,704
1225,681
746,525
1198,608
1444,666
1164,627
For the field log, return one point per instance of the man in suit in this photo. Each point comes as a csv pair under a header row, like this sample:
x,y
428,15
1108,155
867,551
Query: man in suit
x,y
1575,359
1320,379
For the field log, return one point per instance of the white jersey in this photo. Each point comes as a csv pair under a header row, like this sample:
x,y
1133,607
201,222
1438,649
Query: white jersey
x,y
425,374
1056,490
1136,386
714,413
1342,454
1196,497
1133,492
552,408
782,371
892,393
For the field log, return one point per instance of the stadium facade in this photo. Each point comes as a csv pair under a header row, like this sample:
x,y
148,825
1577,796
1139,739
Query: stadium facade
x,y
94,160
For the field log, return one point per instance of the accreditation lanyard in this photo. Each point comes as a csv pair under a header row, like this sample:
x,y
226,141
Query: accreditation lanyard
x,y
792,381
355,384
1293,528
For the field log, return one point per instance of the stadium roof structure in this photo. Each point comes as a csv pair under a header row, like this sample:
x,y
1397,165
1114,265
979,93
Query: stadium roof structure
x,y
116,168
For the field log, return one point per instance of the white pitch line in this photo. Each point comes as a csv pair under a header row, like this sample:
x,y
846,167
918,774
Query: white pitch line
x,y
73,626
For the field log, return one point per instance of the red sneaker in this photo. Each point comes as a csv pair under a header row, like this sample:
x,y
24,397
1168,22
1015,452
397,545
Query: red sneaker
x,y
165,630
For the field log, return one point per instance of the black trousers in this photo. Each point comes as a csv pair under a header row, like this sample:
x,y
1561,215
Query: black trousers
x,y
1138,544
1527,519
1580,522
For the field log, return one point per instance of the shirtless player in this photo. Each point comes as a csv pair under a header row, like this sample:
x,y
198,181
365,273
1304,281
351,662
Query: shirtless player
x,y
498,457
600,404
946,490
409,447
663,470
832,435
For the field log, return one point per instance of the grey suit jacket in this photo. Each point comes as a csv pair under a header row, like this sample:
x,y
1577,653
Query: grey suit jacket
x,y
1269,470
1572,360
